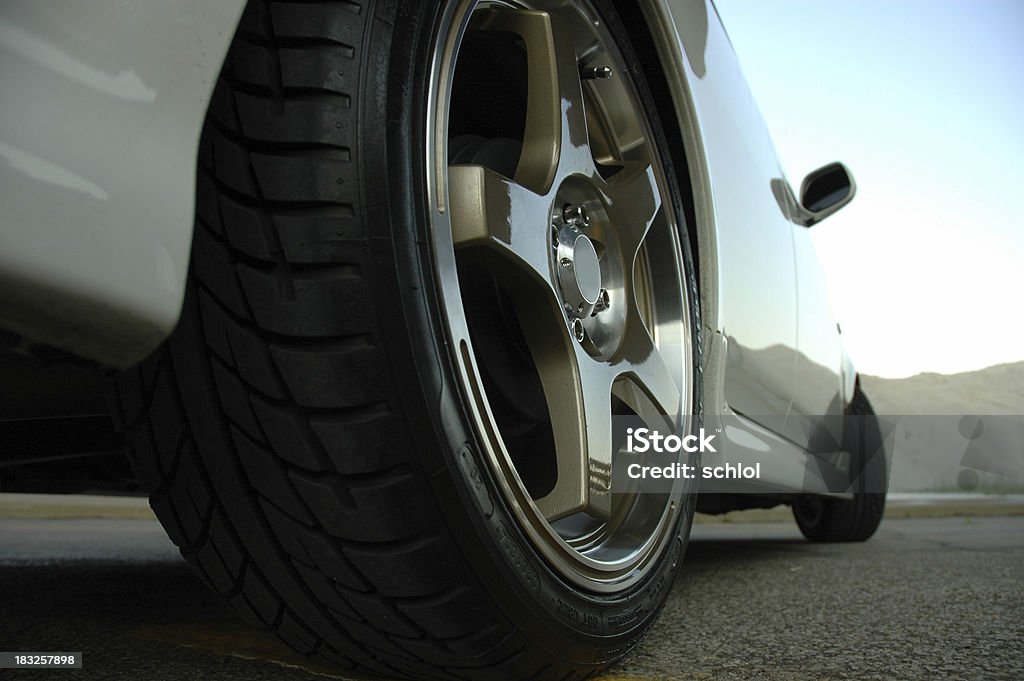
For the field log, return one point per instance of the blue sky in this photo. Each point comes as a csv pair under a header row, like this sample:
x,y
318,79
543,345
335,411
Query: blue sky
x,y
924,102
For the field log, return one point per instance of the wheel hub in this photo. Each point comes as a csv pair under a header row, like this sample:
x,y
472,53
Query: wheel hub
x,y
579,271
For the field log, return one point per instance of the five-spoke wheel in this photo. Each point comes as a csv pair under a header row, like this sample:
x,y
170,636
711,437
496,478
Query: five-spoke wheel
x,y
560,206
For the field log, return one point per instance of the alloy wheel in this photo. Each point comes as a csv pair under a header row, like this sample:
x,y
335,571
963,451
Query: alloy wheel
x,y
559,254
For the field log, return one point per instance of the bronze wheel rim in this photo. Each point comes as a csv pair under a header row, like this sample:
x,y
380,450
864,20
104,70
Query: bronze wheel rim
x,y
558,202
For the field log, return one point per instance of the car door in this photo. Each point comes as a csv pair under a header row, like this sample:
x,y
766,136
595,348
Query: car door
x,y
814,420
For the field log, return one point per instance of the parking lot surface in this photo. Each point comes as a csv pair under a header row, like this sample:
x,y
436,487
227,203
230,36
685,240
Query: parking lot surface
x,y
926,598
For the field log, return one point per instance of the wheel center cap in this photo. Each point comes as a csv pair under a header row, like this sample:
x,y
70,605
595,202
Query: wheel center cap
x,y
586,269
579,271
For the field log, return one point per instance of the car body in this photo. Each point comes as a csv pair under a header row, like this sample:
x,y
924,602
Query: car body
x,y
98,203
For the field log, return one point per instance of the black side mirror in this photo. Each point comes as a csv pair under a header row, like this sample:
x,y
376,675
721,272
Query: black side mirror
x,y
825,191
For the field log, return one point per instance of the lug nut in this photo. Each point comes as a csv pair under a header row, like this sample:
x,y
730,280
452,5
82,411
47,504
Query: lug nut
x,y
596,73
603,302
577,330
576,215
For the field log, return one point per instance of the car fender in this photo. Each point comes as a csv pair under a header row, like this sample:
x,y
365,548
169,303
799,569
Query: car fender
x,y
102,111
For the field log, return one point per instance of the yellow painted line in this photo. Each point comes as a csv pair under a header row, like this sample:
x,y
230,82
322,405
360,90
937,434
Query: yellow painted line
x,y
231,639
690,676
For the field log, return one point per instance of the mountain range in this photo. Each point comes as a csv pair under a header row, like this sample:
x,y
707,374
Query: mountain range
x,y
953,432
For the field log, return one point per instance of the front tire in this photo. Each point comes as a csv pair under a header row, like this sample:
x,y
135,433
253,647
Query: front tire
x,y
307,435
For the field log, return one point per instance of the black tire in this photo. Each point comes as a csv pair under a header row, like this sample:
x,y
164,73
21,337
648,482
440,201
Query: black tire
x,y
300,433
835,520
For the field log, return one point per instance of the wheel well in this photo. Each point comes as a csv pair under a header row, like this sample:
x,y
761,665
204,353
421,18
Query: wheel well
x,y
644,46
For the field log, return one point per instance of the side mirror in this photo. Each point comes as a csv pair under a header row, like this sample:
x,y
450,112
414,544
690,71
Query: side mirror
x,y
825,191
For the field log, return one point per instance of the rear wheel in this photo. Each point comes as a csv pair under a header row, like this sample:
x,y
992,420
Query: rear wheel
x,y
437,250
846,520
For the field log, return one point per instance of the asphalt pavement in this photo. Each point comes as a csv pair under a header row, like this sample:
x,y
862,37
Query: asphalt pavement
x,y
926,598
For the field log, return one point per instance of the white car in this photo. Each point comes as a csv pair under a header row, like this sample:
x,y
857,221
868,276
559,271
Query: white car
x,y
379,280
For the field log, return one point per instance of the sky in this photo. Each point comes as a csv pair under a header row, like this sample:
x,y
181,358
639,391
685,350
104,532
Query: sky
x,y
924,101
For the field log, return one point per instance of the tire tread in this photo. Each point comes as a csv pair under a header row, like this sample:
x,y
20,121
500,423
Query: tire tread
x,y
303,447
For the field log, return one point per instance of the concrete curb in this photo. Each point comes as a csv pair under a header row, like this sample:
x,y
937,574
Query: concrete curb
x,y
67,506
899,506
59,506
